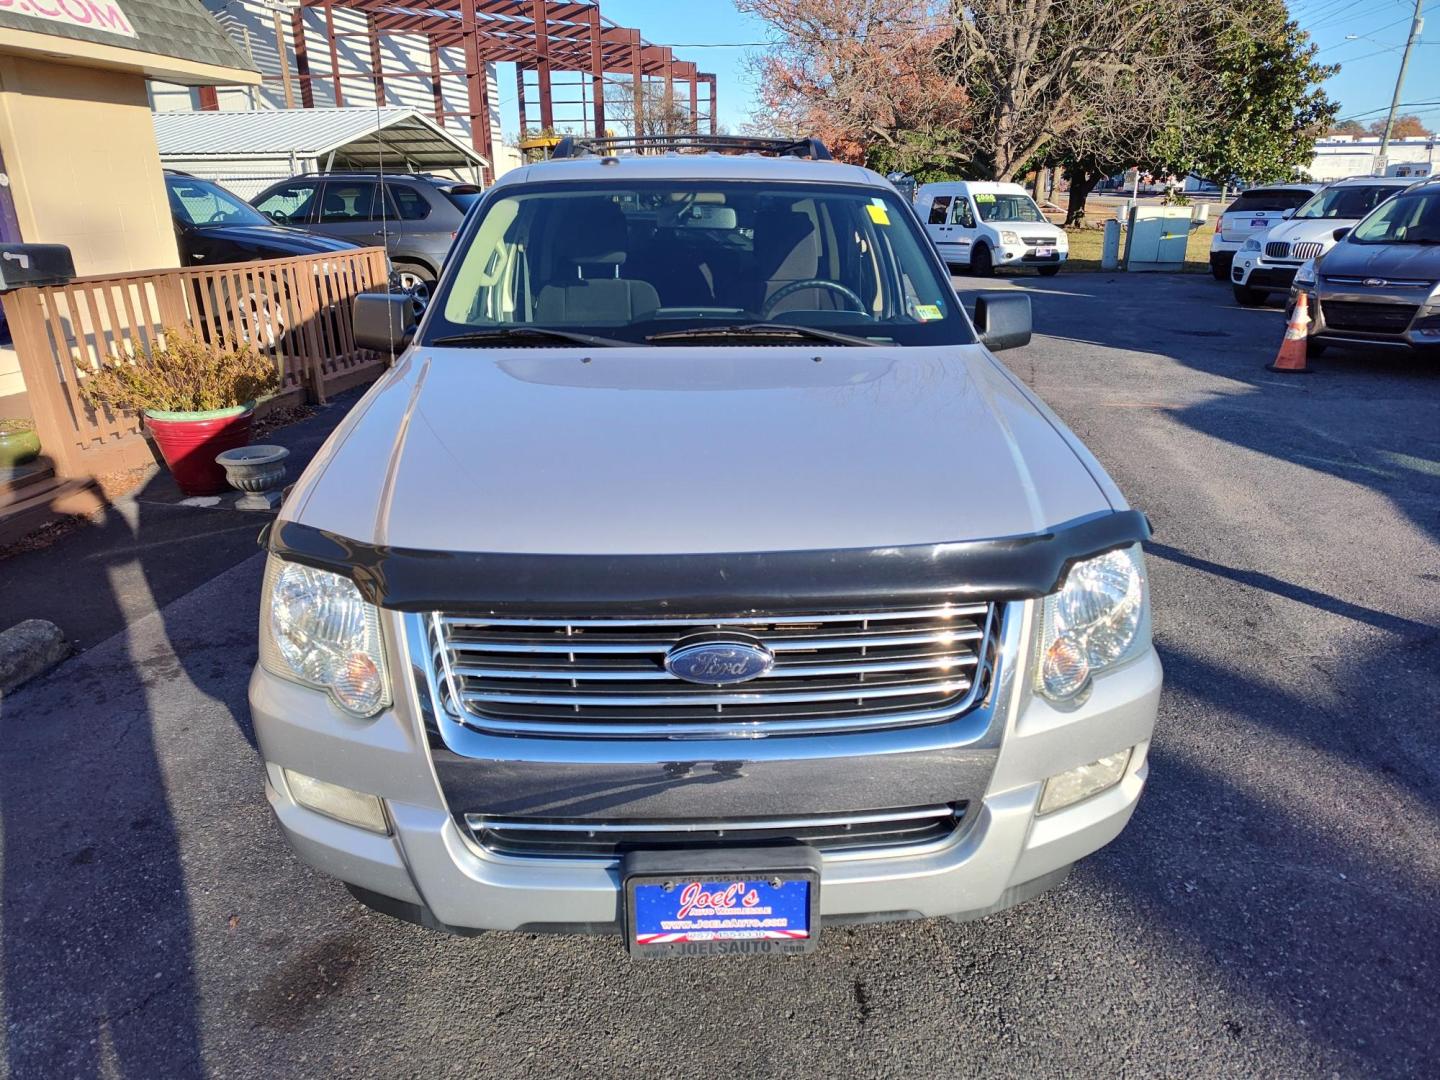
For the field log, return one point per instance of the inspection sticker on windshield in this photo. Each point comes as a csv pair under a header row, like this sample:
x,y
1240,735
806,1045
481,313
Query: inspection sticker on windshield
x,y
878,213
928,312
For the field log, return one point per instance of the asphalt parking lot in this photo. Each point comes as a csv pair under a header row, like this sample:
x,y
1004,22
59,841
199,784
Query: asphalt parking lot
x,y
1271,910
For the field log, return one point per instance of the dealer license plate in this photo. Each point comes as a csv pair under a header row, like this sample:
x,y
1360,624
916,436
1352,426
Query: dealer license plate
x,y
1044,252
710,911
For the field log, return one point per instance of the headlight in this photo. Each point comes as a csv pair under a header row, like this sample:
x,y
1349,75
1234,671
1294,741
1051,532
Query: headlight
x,y
1306,274
316,629
1095,621
1252,244
1008,237
1434,299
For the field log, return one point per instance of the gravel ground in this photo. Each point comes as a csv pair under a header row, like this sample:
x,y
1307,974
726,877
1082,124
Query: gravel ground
x,y
1271,911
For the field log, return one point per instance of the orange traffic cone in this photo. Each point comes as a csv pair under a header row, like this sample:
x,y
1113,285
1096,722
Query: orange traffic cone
x,y
1290,360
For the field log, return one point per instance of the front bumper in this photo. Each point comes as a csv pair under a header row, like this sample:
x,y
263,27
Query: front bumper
x,y
431,864
1252,270
1024,255
1421,333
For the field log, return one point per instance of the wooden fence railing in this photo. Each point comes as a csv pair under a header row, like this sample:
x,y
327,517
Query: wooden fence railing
x,y
296,310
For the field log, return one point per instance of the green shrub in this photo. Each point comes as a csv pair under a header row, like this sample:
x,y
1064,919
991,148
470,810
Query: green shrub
x,y
15,426
188,375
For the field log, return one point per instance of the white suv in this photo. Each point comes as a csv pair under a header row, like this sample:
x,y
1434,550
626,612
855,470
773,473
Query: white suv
x,y
697,572
1267,261
983,225
1253,212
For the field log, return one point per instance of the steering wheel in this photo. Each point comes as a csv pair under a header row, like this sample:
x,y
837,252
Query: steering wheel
x,y
811,283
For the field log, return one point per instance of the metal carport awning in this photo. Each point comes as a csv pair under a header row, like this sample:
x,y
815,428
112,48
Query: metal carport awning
x,y
347,138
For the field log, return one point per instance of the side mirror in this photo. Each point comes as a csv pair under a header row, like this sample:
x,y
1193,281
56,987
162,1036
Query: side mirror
x,y
1340,234
384,322
1003,319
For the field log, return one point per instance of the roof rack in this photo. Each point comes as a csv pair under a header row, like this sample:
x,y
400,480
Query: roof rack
x,y
572,146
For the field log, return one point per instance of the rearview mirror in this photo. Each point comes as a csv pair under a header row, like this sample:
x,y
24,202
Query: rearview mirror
x,y
1340,234
384,322
1003,319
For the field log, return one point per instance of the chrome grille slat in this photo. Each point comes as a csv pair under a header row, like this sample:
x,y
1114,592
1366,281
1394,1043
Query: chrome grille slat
x,y
724,697
605,677
659,674
948,611
777,643
600,838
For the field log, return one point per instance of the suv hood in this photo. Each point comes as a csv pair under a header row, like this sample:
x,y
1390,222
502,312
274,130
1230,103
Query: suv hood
x,y
1299,230
691,450
277,238
1405,262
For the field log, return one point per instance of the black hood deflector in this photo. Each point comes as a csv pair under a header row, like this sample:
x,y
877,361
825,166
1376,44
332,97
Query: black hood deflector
x,y
1009,568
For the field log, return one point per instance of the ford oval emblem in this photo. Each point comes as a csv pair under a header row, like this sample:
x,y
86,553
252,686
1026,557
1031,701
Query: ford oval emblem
x,y
719,662
1374,282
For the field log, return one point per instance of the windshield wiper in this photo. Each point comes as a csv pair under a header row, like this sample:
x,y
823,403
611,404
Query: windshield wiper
x,y
528,335
760,330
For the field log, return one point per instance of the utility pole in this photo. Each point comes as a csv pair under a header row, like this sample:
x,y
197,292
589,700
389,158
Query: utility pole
x,y
1416,26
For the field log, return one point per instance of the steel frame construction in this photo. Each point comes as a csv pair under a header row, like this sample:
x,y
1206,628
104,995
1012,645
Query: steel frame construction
x,y
543,36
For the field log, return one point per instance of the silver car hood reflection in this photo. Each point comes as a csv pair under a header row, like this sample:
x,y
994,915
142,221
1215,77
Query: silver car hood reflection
x,y
690,450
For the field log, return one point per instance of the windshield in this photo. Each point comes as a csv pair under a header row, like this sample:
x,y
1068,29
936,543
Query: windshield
x,y
203,204
1007,207
1411,218
629,261
1268,200
1351,203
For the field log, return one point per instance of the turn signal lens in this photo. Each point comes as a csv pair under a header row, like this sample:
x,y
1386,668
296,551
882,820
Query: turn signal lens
x,y
1069,788
342,803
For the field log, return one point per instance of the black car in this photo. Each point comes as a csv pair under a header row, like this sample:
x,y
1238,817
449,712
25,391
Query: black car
x,y
1380,285
213,225
414,215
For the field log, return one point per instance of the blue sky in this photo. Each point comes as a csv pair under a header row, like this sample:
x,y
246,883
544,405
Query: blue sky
x,y
1363,85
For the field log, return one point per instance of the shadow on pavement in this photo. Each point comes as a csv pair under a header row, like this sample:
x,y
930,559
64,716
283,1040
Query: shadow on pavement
x,y
99,965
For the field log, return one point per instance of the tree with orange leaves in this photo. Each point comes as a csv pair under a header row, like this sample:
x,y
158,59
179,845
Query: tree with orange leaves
x,y
863,76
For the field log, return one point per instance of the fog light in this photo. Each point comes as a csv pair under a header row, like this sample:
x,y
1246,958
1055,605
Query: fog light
x,y
341,803
1068,788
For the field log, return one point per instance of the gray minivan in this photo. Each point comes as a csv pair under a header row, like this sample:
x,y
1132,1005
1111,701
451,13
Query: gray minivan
x,y
414,215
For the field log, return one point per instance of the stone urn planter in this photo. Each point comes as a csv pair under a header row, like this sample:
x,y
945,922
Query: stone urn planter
x,y
259,471
19,445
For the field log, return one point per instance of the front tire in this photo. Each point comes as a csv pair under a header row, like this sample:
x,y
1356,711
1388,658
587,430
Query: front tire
x,y
1049,271
982,263
1248,297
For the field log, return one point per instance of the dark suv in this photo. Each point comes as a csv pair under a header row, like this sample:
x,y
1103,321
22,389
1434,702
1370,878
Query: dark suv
x,y
414,215
1381,284
213,226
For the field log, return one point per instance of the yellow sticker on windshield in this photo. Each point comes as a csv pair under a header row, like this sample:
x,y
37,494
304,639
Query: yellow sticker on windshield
x,y
878,214
984,196
928,312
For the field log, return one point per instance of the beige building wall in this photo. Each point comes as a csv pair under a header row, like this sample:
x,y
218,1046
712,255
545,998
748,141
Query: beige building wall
x,y
80,155
79,149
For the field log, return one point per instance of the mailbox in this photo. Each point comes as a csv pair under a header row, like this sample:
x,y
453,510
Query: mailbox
x,y
34,264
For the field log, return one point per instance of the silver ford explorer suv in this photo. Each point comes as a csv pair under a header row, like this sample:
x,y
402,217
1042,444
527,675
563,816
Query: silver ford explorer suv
x,y
697,574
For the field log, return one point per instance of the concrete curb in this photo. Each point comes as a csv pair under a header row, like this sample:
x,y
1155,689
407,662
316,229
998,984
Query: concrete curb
x,y
28,649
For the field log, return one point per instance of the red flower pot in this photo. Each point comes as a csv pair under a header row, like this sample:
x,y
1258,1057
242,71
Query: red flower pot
x,y
189,441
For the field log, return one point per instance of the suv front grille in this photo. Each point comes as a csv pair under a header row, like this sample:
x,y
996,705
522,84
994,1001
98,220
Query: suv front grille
x,y
1366,317
1277,249
604,677
1310,249
600,839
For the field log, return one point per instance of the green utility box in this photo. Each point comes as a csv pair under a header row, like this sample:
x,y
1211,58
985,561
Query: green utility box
x,y
1157,237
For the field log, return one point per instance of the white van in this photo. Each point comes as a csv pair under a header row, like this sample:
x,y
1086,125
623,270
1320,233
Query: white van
x,y
985,224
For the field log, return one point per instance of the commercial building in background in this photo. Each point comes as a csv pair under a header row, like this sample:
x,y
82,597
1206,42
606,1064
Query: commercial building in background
x,y
570,69
80,165
1339,156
